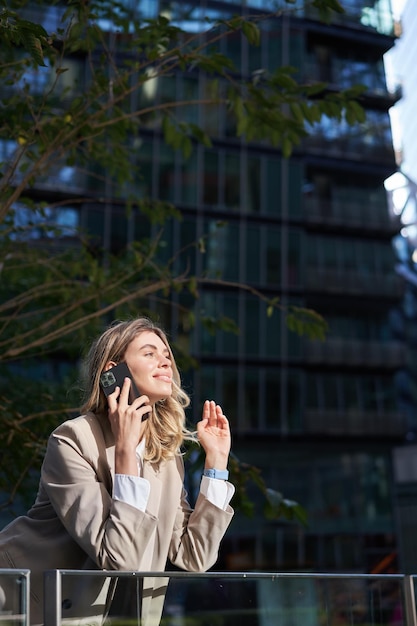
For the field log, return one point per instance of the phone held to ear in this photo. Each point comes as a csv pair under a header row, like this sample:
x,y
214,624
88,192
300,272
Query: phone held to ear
x,y
115,377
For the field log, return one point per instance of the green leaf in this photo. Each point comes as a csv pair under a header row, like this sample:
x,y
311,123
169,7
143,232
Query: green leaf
x,y
251,32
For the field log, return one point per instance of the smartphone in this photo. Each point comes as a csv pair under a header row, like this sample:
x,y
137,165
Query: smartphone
x,y
115,377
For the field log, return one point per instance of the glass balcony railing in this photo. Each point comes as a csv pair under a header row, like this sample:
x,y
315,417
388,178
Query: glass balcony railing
x,y
219,598
226,598
15,585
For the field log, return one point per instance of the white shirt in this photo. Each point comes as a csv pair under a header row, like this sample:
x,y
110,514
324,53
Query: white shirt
x,y
135,490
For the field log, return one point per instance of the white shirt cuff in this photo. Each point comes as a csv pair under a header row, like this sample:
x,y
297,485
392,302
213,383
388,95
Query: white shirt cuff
x,y
133,490
218,492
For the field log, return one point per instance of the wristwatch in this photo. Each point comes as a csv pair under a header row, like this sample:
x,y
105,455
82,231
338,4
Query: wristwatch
x,y
215,473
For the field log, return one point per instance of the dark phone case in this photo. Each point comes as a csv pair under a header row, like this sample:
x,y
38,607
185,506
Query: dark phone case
x,y
114,377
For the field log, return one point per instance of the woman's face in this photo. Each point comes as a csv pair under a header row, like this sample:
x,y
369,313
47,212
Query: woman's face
x,y
149,361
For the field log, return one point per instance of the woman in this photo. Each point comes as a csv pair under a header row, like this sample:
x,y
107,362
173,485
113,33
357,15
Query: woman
x,y
111,492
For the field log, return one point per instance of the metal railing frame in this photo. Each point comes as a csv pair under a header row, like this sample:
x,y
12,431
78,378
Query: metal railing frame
x,y
24,615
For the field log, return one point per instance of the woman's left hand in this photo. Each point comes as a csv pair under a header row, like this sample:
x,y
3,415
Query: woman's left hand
x,y
214,435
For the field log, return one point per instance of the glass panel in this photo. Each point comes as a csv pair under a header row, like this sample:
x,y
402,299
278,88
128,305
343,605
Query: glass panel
x,y
253,599
234,49
14,597
274,47
253,184
188,92
166,174
189,182
295,187
222,256
252,329
142,186
209,308
273,398
230,341
273,333
252,256
165,247
273,256
228,377
273,186
119,231
250,418
188,238
232,181
211,179
294,402
294,258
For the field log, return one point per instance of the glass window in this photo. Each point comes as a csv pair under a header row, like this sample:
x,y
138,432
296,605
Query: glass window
x,y
274,47
188,237
189,182
350,392
207,383
188,93
331,391
228,377
210,113
223,250
93,222
252,329
295,187
141,229
252,256
369,396
294,402
250,418
142,185
211,179
253,185
234,49
313,392
273,329
215,307
273,398
33,224
273,256
165,247
294,258
166,173
119,229
230,340
232,181
273,186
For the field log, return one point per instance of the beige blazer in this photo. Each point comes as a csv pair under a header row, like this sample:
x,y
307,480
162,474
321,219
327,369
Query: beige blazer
x,y
75,524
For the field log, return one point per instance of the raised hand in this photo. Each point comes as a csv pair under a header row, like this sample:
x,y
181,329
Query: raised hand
x,y
214,435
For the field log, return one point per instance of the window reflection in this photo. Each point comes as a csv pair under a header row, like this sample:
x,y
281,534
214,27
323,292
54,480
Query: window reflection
x,y
31,224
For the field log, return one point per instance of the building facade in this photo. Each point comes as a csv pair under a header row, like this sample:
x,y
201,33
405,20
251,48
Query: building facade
x,y
319,419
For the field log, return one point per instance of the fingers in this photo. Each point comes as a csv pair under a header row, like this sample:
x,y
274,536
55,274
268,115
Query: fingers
x,y
118,403
213,414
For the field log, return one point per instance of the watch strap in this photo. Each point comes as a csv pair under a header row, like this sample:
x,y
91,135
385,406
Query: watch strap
x,y
215,473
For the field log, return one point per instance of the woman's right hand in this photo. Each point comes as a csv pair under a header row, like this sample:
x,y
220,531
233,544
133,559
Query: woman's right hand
x,y
127,427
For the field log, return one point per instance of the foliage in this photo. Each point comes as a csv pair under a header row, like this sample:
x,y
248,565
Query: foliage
x,y
58,284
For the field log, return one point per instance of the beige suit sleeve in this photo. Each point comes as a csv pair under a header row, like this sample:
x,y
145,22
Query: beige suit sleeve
x,y
197,533
113,533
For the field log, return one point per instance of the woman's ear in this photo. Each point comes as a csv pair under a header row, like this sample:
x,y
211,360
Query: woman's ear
x,y
109,365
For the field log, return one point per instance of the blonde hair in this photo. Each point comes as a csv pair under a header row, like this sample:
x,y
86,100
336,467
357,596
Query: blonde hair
x,y
166,430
